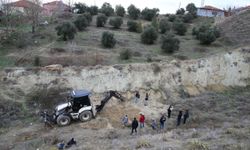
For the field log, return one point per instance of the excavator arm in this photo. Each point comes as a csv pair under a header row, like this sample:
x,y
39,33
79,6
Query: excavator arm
x,y
110,94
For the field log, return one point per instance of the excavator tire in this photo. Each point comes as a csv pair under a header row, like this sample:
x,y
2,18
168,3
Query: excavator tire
x,y
85,116
63,120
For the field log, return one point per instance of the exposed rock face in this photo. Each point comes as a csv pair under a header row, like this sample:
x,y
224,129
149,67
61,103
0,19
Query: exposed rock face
x,y
194,76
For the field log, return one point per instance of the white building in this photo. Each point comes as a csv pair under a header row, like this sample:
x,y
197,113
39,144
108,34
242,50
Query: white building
x,y
210,11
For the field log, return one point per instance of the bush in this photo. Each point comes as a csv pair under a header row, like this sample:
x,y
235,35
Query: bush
x,y
164,25
180,27
88,17
93,10
207,37
125,54
133,12
134,26
169,43
80,8
149,14
66,31
191,8
216,32
108,39
120,11
187,18
155,24
116,22
107,9
101,20
17,39
180,11
194,31
81,22
171,18
149,35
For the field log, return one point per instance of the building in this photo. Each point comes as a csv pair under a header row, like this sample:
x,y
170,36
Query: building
x,y
22,5
210,11
55,7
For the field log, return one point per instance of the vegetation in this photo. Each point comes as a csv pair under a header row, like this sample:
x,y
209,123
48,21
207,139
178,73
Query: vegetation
x,y
169,43
134,26
179,27
101,20
155,24
93,10
120,11
192,9
171,18
66,31
149,14
206,34
108,39
116,22
149,35
88,17
164,25
180,11
81,22
107,9
80,8
133,12
125,54
187,18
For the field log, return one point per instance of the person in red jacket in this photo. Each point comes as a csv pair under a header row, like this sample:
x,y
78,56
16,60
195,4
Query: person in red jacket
x,y
142,120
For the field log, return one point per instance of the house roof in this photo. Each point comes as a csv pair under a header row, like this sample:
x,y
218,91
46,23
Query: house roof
x,y
55,3
22,3
207,7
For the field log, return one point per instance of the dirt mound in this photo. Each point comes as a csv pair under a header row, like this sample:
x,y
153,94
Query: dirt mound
x,y
237,28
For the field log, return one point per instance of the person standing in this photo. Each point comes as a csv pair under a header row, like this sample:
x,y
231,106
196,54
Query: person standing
x,y
60,145
162,121
185,116
179,118
142,120
137,97
134,126
146,99
170,108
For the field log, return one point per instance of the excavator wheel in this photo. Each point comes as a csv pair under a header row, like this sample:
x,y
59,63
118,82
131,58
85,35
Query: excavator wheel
x,y
63,120
85,116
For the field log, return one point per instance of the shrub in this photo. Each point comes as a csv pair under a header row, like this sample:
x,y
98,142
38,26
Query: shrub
x,y
125,54
216,32
80,8
108,39
81,22
194,31
17,39
93,10
169,43
149,35
133,12
171,18
149,14
88,17
180,27
187,18
107,9
116,22
120,11
134,26
197,145
180,11
101,20
191,8
207,37
37,61
66,31
164,25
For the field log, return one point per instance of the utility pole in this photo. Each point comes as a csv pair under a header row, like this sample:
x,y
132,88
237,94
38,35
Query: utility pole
x,y
202,3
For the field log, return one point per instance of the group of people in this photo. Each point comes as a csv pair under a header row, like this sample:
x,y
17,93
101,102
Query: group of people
x,y
141,121
137,98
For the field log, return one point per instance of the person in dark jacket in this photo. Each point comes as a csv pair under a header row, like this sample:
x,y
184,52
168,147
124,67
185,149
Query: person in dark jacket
x,y
162,121
170,108
179,118
60,145
146,100
185,116
70,143
134,126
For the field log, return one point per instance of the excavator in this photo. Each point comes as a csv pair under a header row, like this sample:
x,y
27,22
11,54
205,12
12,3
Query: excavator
x,y
77,107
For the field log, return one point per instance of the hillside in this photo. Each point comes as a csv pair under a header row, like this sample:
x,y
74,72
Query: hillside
x,y
236,29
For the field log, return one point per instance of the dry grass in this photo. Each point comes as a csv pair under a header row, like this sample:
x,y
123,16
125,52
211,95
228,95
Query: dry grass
x,y
95,124
143,143
197,145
